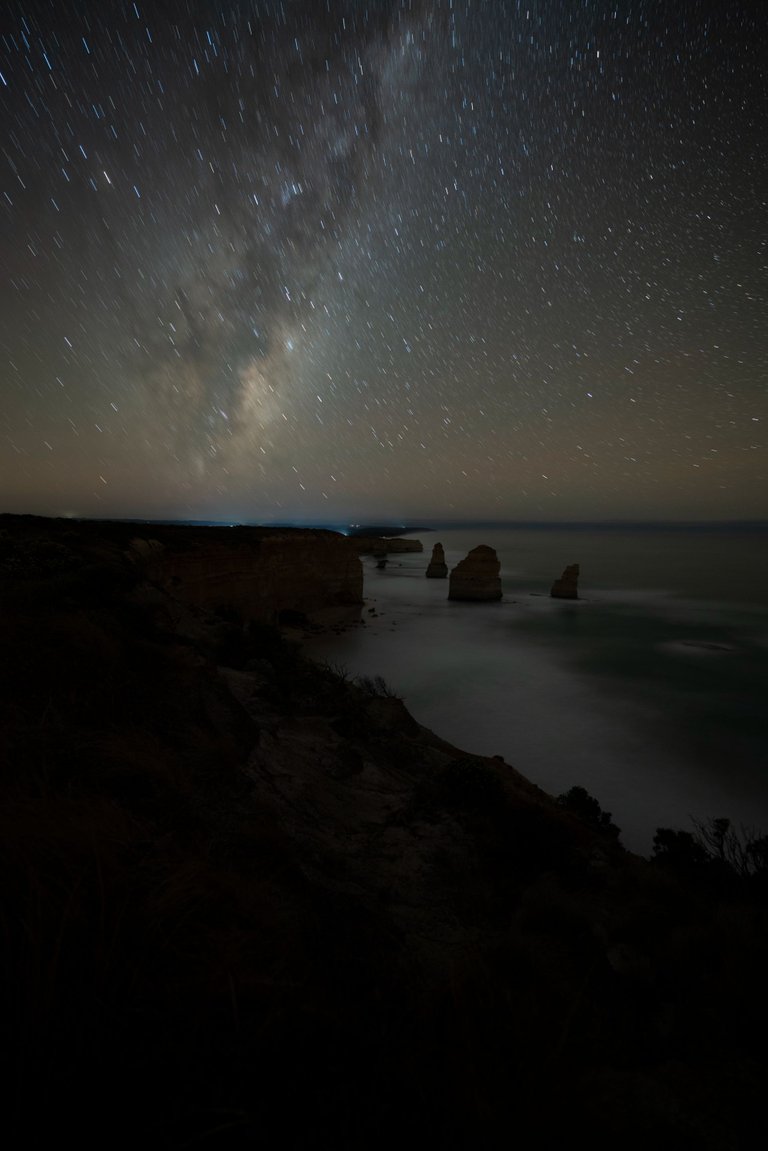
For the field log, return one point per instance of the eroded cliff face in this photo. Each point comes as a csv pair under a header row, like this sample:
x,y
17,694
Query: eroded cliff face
x,y
251,573
254,573
384,545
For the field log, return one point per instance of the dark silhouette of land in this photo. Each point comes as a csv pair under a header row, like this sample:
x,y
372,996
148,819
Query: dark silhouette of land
x,y
249,901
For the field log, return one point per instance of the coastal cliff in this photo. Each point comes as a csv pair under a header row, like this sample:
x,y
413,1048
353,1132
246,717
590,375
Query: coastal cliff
x,y
255,573
250,573
384,545
247,897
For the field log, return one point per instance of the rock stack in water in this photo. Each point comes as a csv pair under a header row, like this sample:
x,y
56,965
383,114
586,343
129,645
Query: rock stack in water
x,y
437,568
477,576
567,587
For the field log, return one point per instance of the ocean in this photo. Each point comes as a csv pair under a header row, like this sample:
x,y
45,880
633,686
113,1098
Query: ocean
x,y
649,691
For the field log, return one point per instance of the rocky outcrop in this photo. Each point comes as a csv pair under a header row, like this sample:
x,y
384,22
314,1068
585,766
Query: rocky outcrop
x,y
476,577
437,568
567,587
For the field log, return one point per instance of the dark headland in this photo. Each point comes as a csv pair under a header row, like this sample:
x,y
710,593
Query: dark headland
x,y
250,902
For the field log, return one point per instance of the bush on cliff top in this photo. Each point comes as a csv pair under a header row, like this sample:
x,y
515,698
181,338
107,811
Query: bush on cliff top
x,y
585,806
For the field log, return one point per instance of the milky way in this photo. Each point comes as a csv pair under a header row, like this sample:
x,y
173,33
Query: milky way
x,y
330,260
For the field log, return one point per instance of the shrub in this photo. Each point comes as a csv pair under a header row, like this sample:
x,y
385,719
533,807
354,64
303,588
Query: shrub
x,y
715,845
744,851
677,849
585,806
376,685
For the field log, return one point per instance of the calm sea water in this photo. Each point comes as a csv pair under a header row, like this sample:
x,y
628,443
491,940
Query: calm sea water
x,y
650,690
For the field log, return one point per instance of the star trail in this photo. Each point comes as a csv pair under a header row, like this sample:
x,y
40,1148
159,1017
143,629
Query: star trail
x,y
330,260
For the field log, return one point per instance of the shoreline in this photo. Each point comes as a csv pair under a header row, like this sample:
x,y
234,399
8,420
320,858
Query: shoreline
x,y
626,666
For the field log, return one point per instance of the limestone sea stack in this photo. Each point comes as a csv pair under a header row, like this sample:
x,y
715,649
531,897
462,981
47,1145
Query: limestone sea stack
x,y
476,577
437,567
567,587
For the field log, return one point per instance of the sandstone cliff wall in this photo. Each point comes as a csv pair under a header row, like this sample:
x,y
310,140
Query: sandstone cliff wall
x,y
254,573
384,545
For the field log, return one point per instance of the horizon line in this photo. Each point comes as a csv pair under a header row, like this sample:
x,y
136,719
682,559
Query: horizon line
x,y
411,523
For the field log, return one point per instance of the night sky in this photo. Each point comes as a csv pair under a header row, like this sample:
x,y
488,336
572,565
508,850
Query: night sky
x,y
335,260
